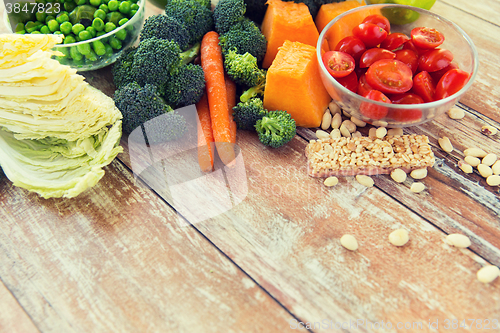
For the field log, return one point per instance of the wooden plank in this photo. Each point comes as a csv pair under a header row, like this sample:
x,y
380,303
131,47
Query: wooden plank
x,y
12,316
119,259
486,9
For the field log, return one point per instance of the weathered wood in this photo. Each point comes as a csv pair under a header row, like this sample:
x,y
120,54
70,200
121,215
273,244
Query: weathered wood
x,y
13,319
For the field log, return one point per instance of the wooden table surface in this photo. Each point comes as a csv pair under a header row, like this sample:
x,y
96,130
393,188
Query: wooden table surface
x,y
120,259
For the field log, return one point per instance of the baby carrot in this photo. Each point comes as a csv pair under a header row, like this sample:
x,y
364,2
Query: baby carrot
x,y
212,64
205,136
231,102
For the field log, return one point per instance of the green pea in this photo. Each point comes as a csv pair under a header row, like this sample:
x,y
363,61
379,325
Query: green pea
x,y
69,40
45,30
31,26
100,33
122,21
21,32
121,34
48,18
104,8
64,50
99,47
83,48
35,32
66,27
19,27
100,14
77,28
53,25
104,2
109,50
62,18
113,5
115,43
84,35
98,24
69,6
57,33
40,16
124,7
91,56
95,3
132,12
134,6
109,26
92,31
80,2
114,17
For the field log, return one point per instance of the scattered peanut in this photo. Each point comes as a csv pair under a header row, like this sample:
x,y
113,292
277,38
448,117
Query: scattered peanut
x,y
398,175
473,161
349,242
458,240
395,131
344,131
365,180
467,168
380,123
484,170
356,134
456,113
331,181
489,159
335,134
419,173
399,237
475,152
493,180
358,122
336,121
347,114
496,168
372,132
351,127
488,130
488,274
381,132
326,121
417,187
334,108
320,134
445,144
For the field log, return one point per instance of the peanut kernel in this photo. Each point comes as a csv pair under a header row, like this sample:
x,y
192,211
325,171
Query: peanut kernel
x,y
398,175
417,187
484,170
458,240
489,159
334,108
399,237
488,274
326,121
358,122
473,161
349,242
320,134
456,113
336,121
381,132
331,181
395,131
475,152
445,144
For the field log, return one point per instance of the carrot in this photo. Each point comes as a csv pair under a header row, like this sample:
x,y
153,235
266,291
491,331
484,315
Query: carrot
x,y
231,102
205,135
212,64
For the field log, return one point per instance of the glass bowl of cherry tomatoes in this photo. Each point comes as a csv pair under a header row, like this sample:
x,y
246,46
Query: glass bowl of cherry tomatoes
x,y
392,73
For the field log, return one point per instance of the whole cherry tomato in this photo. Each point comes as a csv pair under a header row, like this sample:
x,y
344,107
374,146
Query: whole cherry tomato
x,y
410,46
424,86
338,64
379,20
374,54
409,58
370,34
350,82
363,86
434,60
394,41
371,110
426,38
451,82
436,76
389,76
351,45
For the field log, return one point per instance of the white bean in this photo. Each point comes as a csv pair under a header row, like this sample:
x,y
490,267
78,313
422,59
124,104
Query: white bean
x,y
399,237
381,132
344,131
320,134
488,274
489,159
496,168
351,127
326,122
476,152
398,175
336,120
334,108
484,170
458,240
365,180
349,242
335,134
445,144
473,161
358,122
467,168
456,113
419,173
417,187
493,180
331,181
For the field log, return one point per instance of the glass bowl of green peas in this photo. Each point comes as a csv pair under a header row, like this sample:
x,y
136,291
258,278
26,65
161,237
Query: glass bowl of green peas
x,y
96,32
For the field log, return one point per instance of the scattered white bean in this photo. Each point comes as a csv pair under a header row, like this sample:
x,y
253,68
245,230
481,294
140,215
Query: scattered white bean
x,y
335,134
496,168
326,122
331,181
476,152
358,122
334,108
365,180
445,144
349,242
473,161
336,120
372,132
395,131
489,159
467,168
344,131
398,175
320,134
489,130
380,123
419,173
458,240
484,170
417,187
399,237
381,132
488,274
493,180
351,127
456,113
356,134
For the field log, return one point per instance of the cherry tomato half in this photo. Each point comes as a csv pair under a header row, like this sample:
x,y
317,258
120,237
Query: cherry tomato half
x,y
379,20
351,45
363,86
389,76
424,86
451,82
373,111
434,60
409,58
436,76
394,41
410,46
350,82
370,34
426,38
374,54
405,115
338,64
406,98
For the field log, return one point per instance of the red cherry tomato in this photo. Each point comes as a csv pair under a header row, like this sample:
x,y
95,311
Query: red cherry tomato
x,y
370,34
405,116
426,38
363,86
389,76
351,45
409,58
451,82
436,76
410,46
338,64
424,86
434,60
373,111
350,82
394,41
406,98
374,54
379,20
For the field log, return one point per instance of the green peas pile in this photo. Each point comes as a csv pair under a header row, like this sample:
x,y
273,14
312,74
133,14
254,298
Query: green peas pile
x,y
81,20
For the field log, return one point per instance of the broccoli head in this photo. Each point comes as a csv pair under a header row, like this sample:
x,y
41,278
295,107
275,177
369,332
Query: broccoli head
x,y
195,15
122,68
246,114
243,69
256,10
227,13
244,37
276,128
185,87
165,27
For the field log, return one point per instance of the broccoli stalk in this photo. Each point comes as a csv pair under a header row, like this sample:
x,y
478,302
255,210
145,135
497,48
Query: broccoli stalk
x,y
190,54
257,90
246,114
243,69
276,128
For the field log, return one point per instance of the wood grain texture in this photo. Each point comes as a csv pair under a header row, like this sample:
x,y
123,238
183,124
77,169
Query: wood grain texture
x,y
13,319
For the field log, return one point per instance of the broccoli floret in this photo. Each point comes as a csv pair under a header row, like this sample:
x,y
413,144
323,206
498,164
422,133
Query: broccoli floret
x,y
185,87
311,4
276,128
227,13
122,68
165,27
244,37
257,90
243,69
246,114
195,15
256,9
